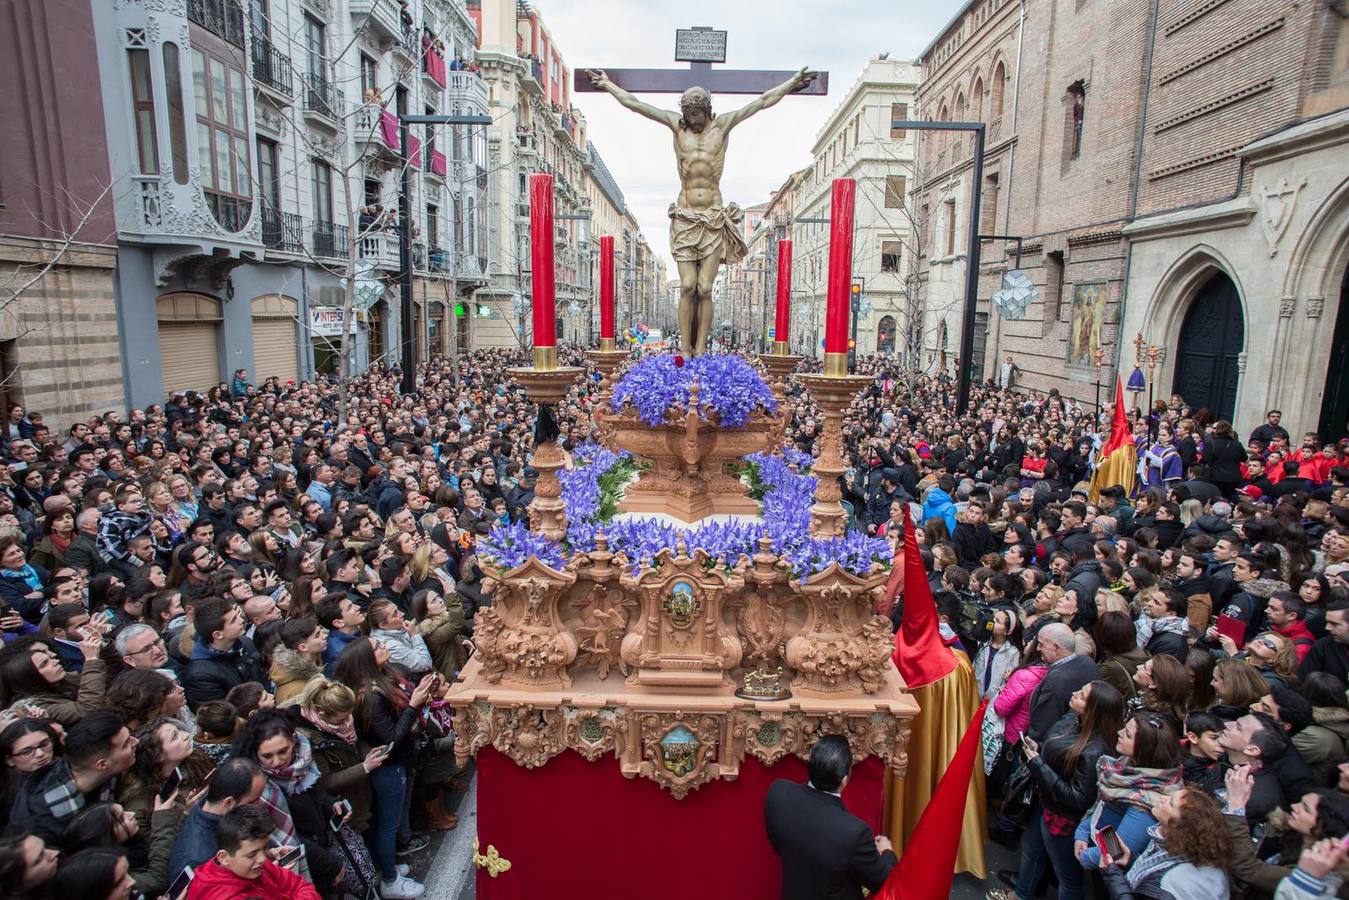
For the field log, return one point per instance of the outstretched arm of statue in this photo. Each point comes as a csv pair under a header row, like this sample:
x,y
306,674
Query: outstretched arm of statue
x,y
769,97
656,114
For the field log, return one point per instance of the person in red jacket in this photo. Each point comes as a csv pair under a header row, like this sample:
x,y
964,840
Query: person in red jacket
x,y
1285,612
240,869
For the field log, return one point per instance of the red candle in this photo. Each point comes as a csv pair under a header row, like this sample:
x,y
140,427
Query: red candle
x,y
782,325
541,258
840,271
607,288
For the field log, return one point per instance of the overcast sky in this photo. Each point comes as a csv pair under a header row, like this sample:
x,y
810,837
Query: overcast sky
x,y
837,36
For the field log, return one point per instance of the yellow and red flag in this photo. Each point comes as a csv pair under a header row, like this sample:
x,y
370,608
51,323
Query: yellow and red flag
x,y
1117,463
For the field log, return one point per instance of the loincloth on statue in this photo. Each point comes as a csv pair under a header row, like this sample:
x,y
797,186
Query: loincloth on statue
x,y
696,235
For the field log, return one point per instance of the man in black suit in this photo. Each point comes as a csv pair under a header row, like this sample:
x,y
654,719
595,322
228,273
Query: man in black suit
x,y
826,851
1067,673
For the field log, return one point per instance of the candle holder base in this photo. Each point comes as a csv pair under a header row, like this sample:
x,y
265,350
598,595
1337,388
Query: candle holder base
x,y
607,362
546,387
779,366
834,394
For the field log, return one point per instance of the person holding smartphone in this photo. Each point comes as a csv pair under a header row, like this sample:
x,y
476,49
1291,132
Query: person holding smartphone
x,y
1188,856
1064,773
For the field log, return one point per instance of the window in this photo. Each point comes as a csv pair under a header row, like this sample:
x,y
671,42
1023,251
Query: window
x,y
369,78
1077,111
262,21
371,191
890,255
899,112
950,228
1053,288
321,186
432,226
894,191
996,91
222,138
173,90
857,130
977,100
315,47
143,108
988,214
269,175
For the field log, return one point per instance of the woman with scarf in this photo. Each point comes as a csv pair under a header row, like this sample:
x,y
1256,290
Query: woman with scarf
x,y
1188,856
109,826
324,717
271,740
1130,784
388,713
1163,688
1064,773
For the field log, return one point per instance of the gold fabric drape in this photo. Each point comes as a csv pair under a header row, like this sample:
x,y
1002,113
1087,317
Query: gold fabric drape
x,y
1120,467
947,706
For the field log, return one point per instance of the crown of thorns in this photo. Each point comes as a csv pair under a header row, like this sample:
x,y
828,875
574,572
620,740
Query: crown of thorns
x,y
696,98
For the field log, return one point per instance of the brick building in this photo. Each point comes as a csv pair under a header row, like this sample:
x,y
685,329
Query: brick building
x,y
1128,151
58,313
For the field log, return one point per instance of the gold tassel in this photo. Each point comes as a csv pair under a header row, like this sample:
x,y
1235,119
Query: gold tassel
x,y
492,861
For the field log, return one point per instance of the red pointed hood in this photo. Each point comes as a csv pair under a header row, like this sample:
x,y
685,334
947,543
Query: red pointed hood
x,y
920,655
1120,432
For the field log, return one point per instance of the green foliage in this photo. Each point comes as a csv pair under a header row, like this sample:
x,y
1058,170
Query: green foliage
x,y
611,484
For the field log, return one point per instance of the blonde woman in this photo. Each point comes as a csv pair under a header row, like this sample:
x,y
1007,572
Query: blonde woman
x,y
183,500
1110,601
1043,604
160,500
1275,657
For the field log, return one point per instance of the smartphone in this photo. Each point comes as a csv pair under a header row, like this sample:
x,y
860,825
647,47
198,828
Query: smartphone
x,y
343,810
1109,843
171,784
180,884
1031,743
292,855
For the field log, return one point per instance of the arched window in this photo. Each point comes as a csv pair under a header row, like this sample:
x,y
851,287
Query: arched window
x,y
942,136
977,100
960,108
996,91
885,335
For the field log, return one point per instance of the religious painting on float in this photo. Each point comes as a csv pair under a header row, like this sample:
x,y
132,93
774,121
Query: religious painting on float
x,y
679,751
1084,333
682,605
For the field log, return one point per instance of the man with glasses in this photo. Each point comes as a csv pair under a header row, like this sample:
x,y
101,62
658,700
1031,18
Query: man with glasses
x,y
141,647
97,749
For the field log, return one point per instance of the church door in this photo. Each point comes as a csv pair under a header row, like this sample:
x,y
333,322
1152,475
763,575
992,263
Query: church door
x,y
1211,338
1335,405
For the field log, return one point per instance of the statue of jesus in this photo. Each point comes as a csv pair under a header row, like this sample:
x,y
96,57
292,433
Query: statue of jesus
x,y
704,230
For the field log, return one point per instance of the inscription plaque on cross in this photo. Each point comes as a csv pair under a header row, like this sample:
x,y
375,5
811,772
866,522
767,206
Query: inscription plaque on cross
x,y
700,48
705,230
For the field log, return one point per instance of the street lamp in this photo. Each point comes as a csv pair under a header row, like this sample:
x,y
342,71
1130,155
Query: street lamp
x,y
972,262
409,384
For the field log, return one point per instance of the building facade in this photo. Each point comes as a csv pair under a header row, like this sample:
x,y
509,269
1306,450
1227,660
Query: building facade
x,y
1143,159
58,314
857,142
256,148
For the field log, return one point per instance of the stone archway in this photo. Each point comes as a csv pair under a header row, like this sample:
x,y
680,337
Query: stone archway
x,y
1209,348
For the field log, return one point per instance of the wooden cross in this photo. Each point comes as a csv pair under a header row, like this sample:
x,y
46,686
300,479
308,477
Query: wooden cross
x,y
698,46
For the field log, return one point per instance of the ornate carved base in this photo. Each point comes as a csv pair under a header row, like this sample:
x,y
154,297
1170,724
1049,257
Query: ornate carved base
x,y
679,741
779,367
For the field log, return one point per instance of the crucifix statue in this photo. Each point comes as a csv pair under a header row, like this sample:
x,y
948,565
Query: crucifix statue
x,y
705,231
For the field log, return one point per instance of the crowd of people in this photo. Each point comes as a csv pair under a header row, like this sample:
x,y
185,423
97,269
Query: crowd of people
x,y
230,623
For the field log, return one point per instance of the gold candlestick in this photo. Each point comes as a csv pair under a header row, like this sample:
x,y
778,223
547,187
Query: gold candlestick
x,y
834,394
546,387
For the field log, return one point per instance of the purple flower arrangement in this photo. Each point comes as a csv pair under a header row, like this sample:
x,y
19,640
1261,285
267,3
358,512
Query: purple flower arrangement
x,y
727,386
507,546
589,492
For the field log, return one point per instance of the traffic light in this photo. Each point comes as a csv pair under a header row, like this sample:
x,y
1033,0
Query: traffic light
x,y
856,294
460,310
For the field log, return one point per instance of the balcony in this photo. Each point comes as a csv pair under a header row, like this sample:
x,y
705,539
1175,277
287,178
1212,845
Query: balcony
x,y
223,18
331,240
232,213
467,90
532,79
381,248
322,100
282,231
437,260
436,164
271,68
433,65
377,132
382,17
